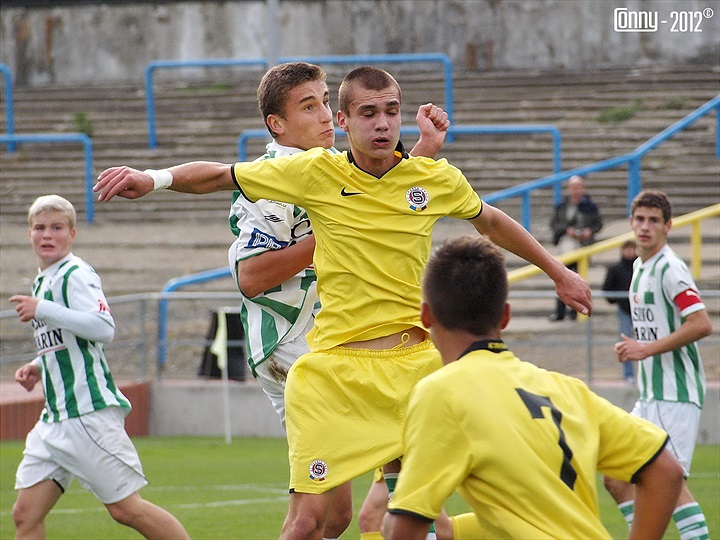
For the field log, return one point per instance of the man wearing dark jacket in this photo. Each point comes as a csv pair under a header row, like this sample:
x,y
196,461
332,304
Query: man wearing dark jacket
x,y
618,279
574,224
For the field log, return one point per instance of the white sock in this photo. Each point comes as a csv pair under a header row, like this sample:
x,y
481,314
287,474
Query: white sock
x,y
690,522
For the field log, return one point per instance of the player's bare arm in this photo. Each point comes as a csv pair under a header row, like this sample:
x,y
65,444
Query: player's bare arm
x,y
696,326
194,177
404,527
272,268
509,234
433,124
657,489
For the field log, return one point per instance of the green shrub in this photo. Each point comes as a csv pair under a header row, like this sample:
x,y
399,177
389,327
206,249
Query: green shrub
x,y
620,113
676,104
83,124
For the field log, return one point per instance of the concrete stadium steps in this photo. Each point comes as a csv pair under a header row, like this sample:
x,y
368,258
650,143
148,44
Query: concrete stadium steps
x,y
130,257
572,102
137,246
198,120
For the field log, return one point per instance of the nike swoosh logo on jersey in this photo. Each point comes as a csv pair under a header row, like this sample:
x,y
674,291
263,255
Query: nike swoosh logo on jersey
x,y
349,193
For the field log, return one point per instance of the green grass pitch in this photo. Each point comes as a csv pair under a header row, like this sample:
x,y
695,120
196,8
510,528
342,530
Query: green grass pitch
x,y
239,491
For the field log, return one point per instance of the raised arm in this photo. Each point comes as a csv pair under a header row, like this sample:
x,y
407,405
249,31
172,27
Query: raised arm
x,y
509,234
433,124
193,177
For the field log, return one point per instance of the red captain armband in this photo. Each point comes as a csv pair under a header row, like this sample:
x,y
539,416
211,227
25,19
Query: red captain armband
x,y
687,298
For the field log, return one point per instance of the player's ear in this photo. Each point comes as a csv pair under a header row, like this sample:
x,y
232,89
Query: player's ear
x,y
342,121
505,316
276,124
426,316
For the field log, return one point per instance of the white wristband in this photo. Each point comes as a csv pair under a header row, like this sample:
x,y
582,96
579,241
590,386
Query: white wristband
x,y
162,179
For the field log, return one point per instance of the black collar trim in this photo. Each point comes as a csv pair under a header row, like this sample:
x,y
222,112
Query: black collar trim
x,y
399,152
492,345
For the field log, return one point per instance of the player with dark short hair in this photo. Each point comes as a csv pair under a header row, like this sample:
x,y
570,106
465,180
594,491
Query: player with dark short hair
x,y
521,444
668,318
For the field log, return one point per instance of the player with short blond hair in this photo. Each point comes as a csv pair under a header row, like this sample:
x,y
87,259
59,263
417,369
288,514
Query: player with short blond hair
x,y
81,431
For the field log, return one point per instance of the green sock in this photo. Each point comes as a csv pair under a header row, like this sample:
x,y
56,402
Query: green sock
x,y
390,481
690,522
628,511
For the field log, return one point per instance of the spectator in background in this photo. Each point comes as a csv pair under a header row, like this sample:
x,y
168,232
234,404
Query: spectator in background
x,y
81,432
618,279
574,224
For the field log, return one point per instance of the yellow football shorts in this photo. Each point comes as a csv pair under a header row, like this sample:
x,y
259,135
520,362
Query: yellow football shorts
x,y
345,410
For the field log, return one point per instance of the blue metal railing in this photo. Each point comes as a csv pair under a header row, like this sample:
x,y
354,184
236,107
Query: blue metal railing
x,y
262,62
9,107
249,134
54,138
631,159
171,286
634,181
177,64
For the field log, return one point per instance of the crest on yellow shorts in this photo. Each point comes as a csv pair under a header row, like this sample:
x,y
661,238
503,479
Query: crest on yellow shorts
x,y
318,470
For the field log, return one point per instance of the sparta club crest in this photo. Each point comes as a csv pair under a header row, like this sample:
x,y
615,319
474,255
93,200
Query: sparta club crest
x,y
418,198
318,470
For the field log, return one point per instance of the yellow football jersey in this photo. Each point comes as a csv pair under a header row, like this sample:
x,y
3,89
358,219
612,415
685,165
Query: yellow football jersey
x,y
373,235
521,444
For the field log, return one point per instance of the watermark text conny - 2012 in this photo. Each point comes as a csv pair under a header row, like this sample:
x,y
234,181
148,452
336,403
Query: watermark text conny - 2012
x,y
633,20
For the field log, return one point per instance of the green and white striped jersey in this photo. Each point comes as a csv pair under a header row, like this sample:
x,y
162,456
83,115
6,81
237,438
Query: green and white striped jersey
x,y
72,322
661,295
279,314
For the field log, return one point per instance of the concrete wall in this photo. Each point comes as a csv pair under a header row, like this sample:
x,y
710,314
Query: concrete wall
x,y
19,412
196,408
100,43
